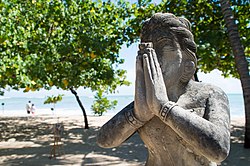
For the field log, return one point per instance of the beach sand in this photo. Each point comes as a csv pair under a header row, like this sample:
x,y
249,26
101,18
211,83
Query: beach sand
x,y
28,141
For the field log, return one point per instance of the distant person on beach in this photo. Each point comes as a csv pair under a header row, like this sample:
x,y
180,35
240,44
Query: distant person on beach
x,y
28,107
33,108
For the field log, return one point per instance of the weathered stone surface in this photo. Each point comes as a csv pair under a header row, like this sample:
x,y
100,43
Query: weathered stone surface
x,y
182,122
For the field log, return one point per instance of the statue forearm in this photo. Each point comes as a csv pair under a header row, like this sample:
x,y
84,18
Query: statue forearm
x,y
119,128
210,139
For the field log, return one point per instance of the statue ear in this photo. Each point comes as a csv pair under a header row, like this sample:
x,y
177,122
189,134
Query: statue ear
x,y
188,71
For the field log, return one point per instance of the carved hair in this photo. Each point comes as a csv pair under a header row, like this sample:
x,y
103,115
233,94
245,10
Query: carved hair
x,y
167,25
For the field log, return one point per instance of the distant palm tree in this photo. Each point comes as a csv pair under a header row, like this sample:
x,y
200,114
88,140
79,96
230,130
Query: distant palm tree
x,y
240,61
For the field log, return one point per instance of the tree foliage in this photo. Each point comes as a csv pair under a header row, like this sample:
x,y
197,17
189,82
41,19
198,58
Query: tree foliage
x,y
53,99
62,43
102,104
72,44
214,51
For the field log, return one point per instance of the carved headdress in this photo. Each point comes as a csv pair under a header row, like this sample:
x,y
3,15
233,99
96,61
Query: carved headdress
x,y
167,25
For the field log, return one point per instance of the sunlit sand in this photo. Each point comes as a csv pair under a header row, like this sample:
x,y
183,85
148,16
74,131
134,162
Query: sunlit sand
x,y
27,141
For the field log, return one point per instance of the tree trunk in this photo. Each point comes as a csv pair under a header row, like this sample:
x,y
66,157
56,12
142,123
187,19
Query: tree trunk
x,y
241,63
83,110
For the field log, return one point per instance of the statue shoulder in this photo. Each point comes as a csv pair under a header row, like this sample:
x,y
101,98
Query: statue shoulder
x,y
207,88
210,90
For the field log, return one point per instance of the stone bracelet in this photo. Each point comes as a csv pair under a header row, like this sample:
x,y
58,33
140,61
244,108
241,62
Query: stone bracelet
x,y
166,108
133,121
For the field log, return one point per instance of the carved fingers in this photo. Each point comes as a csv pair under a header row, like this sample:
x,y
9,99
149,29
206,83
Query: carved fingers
x,y
156,94
147,71
141,111
139,82
152,66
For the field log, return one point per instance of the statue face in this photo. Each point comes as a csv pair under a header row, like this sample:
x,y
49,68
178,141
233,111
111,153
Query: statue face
x,y
170,59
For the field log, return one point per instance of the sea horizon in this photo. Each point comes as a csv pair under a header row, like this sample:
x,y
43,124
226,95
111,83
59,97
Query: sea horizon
x,y
68,106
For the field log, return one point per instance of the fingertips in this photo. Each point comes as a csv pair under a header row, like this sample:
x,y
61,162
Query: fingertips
x,y
145,62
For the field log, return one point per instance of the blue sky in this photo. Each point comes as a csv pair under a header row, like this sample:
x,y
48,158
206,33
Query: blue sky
x,y
229,85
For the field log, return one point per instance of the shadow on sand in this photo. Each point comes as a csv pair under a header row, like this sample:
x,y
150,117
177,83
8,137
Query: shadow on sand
x,y
238,156
26,141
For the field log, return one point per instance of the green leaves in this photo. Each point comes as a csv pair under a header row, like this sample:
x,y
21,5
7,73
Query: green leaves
x,y
102,104
71,43
66,44
53,99
214,51
57,40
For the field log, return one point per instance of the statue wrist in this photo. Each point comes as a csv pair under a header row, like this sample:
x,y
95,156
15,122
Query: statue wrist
x,y
166,108
132,120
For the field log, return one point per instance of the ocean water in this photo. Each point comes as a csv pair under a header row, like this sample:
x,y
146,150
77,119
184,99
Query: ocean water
x,y
69,106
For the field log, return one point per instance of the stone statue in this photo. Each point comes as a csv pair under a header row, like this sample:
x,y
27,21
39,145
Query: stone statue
x,y
182,122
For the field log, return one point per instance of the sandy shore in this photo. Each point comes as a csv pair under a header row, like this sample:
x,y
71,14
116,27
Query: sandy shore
x,y
27,141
